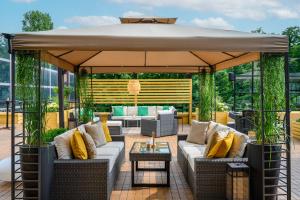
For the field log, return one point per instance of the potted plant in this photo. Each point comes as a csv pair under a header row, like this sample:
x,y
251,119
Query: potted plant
x,y
36,156
274,100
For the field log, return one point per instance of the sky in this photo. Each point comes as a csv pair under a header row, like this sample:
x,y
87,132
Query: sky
x,y
243,15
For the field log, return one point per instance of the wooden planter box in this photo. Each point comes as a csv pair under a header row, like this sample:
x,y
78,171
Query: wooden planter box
x,y
52,119
295,129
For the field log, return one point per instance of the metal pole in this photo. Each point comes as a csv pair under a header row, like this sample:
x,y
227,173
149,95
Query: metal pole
x,y
60,79
13,99
252,87
7,111
234,92
287,128
262,123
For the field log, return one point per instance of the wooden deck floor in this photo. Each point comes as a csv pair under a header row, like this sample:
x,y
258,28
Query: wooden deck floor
x,y
179,188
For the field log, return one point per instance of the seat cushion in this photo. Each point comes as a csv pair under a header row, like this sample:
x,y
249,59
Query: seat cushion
x,y
191,151
120,117
114,123
118,145
197,132
148,117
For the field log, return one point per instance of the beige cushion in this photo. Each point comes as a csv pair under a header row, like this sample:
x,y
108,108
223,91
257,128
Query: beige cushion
x,y
97,133
197,132
238,145
219,133
63,146
152,110
90,145
132,111
118,145
213,127
158,108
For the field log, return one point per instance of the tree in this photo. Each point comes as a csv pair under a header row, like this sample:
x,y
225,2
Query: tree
x,y
36,21
293,33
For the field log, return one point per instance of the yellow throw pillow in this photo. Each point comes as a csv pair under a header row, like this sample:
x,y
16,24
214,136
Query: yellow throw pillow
x,y
78,146
215,142
225,145
106,132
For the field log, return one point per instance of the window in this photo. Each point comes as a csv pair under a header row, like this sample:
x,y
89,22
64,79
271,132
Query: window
x,y
5,72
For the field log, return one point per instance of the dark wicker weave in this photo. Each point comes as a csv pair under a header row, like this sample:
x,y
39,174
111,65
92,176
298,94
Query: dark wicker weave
x,y
85,179
166,124
208,181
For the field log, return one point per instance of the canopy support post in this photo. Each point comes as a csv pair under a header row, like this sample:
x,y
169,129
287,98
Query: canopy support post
x,y
60,79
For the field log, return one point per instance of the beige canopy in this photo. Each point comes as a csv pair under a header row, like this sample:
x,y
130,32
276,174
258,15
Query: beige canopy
x,y
148,47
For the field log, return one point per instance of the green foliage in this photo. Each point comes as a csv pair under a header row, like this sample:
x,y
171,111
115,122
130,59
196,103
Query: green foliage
x,y
52,133
86,98
206,95
52,107
67,91
274,99
28,79
36,21
220,105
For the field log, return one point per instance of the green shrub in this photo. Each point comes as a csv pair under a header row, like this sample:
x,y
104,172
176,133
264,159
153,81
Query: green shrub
x,y
52,133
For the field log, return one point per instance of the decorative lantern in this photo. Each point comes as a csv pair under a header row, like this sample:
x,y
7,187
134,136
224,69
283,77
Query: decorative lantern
x,y
134,88
237,181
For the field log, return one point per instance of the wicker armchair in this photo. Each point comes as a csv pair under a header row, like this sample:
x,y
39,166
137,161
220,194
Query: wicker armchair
x,y
85,179
208,179
166,124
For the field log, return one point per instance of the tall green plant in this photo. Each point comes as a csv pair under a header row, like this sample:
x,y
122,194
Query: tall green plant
x,y
86,98
274,99
28,80
206,91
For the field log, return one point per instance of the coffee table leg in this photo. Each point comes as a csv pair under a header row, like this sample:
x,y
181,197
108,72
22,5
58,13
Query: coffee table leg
x,y
132,173
167,165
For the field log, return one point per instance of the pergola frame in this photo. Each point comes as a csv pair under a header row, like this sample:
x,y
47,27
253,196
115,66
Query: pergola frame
x,y
14,47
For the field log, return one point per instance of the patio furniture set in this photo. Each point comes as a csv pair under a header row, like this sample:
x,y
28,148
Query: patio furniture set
x,y
94,178
158,119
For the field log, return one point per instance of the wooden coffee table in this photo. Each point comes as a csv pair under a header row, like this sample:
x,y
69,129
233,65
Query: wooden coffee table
x,y
140,152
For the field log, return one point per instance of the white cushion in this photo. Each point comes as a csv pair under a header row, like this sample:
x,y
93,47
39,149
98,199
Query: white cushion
x,y
197,132
191,151
120,117
62,144
148,117
81,128
164,112
114,123
107,151
158,108
132,111
118,145
152,110
239,144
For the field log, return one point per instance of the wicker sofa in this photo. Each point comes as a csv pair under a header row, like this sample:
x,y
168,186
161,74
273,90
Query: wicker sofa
x,y
131,112
92,178
206,177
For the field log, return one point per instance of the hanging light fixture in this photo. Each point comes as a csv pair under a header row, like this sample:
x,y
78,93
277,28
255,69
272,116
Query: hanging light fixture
x,y
134,88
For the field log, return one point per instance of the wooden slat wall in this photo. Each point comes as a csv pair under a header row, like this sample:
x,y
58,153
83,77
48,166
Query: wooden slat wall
x,y
153,91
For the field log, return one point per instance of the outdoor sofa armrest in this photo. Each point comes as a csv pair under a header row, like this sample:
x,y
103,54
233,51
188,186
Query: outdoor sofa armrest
x,y
119,138
80,179
181,137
